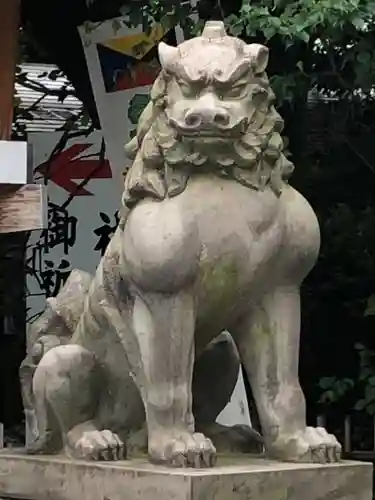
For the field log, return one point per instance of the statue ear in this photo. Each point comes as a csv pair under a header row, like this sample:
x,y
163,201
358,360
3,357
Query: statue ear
x,y
167,55
259,55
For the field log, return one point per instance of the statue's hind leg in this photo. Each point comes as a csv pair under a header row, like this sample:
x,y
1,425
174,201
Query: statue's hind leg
x,y
268,341
66,386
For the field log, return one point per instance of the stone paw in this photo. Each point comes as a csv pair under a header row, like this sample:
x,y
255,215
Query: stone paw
x,y
98,445
311,445
181,449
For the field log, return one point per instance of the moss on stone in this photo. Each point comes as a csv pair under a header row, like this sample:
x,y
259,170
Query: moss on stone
x,y
220,282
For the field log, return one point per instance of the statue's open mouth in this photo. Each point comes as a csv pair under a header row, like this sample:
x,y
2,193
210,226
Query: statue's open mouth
x,y
211,132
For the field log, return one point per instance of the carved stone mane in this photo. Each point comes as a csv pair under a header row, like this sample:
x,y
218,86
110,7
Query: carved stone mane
x,y
163,161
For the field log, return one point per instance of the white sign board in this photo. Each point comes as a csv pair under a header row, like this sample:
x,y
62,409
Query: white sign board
x,y
122,64
13,160
84,195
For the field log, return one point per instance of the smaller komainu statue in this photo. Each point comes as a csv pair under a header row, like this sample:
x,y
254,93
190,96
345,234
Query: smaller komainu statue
x,y
212,238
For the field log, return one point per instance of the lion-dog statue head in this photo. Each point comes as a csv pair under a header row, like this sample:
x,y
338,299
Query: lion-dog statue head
x,y
211,111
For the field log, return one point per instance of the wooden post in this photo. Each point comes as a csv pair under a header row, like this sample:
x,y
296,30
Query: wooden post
x,y
21,204
9,27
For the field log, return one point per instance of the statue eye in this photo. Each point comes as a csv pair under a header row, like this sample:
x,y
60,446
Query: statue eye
x,y
236,92
186,89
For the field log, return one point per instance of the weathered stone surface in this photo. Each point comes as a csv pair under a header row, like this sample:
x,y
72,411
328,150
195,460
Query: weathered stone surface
x,y
54,327
211,238
234,478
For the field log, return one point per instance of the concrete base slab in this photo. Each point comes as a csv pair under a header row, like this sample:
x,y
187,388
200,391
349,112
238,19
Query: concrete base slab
x,y
234,478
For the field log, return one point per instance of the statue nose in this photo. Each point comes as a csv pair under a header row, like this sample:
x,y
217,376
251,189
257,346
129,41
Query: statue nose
x,y
201,118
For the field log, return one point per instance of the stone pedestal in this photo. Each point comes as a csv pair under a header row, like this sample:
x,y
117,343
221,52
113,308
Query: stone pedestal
x,y
57,478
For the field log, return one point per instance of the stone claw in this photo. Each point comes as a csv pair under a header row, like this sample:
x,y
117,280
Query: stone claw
x,y
311,445
99,445
182,449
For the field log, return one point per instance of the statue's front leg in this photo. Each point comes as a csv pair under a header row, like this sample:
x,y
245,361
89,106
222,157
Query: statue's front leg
x,y
164,327
161,245
268,340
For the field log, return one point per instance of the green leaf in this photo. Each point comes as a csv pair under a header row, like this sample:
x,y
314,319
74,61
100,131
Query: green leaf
x,y
348,382
136,105
235,25
315,18
365,58
304,36
328,397
326,382
360,405
370,309
370,394
300,66
365,373
359,23
236,29
342,387
276,22
269,32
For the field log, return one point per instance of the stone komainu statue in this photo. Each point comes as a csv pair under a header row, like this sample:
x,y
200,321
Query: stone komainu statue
x,y
212,238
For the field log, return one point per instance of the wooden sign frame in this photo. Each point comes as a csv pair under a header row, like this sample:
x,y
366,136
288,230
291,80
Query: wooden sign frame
x,y
22,205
